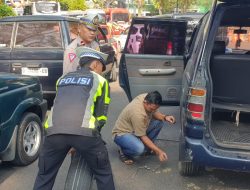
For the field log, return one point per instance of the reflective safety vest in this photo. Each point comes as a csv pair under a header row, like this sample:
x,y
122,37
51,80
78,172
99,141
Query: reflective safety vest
x,y
80,105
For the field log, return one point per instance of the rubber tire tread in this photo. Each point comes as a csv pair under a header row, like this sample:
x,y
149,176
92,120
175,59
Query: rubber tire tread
x,y
188,168
79,176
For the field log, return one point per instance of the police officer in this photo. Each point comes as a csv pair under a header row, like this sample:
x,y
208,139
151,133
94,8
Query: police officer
x,y
79,112
87,31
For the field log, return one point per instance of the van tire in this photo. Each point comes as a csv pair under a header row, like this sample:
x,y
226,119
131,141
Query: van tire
x,y
29,139
189,168
79,175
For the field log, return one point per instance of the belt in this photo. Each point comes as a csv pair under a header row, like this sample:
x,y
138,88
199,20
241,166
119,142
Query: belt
x,y
96,133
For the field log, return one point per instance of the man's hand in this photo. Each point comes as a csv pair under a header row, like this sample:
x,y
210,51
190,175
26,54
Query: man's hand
x,y
170,119
162,156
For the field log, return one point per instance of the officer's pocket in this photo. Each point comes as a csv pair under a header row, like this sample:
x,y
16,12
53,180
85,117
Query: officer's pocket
x,y
102,159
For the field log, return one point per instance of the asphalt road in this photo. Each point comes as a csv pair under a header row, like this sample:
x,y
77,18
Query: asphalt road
x,y
146,174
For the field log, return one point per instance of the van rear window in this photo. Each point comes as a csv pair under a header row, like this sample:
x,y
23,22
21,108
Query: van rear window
x,y
157,38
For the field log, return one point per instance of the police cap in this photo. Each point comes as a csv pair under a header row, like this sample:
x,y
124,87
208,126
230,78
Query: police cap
x,y
83,51
90,21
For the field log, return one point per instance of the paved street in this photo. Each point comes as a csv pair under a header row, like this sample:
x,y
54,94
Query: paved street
x,y
147,174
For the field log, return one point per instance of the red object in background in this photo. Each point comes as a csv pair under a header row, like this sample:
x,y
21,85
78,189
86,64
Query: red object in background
x,y
169,48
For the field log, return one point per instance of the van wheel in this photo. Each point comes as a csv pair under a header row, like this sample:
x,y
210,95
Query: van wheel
x,y
113,74
189,168
29,139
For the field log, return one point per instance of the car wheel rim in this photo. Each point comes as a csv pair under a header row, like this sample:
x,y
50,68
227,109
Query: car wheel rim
x,y
32,138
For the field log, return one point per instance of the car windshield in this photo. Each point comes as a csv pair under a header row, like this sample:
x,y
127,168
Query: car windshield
x,y
120,17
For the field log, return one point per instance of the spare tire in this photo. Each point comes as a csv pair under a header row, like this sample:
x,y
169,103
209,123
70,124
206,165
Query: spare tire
x,y
79,176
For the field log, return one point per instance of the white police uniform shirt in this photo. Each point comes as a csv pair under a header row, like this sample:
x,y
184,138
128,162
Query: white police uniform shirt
x,y
71,61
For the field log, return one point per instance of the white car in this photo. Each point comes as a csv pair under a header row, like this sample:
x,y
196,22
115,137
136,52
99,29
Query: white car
x,y
122,38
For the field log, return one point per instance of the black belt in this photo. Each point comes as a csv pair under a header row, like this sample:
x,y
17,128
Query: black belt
x,y
96,133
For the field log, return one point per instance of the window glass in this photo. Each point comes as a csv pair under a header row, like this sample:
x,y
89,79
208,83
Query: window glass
x,y
237,39
73,27
157,38
38,34
120,17
100,36
5,37
105,30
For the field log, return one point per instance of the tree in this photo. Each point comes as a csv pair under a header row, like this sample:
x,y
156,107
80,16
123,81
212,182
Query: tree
x,y
140,5
170,5
165,5
6,10
184,5
72,4
101,4
204,5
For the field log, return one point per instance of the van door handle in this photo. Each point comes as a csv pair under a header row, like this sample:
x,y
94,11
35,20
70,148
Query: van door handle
x,y
167,63
16,65
146,72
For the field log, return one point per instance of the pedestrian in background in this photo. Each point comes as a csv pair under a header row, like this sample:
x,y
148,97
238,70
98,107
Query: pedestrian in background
x,y
79,112
138,126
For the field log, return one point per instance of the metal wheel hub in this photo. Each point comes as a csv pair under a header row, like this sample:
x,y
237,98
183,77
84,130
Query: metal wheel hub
x,y
32,138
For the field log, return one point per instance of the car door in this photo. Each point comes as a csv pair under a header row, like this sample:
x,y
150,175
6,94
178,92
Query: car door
x,y
6,31
152,58
106,47
38,51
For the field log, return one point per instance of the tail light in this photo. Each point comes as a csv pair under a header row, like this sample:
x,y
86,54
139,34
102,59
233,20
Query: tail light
x,y
195,107
196,103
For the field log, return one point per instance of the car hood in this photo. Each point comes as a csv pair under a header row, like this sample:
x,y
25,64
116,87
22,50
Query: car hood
x,y
12,81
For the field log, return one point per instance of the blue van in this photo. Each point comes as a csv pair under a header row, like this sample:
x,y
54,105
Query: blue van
x,y
208,79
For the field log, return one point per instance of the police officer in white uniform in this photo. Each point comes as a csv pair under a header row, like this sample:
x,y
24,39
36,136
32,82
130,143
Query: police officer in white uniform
x,y
87,32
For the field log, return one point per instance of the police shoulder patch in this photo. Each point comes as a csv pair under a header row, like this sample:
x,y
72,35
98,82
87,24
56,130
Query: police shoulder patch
x,y
71,80
72,57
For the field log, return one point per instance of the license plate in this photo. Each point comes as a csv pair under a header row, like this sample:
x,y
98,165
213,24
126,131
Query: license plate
x,y
35,71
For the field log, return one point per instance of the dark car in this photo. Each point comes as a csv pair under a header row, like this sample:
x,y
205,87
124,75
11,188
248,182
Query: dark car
x,y
210,83
22,112
34,45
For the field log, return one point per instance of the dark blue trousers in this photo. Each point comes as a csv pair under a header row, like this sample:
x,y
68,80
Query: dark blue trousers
x,y
54,151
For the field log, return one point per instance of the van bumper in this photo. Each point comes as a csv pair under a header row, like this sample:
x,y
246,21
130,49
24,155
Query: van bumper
x,y
201,153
